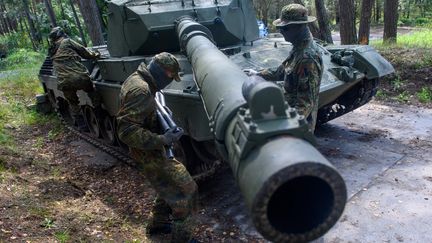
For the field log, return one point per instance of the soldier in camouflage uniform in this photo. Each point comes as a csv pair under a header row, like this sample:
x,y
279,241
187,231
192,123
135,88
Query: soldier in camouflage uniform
x,y
139,128
302,70
71,74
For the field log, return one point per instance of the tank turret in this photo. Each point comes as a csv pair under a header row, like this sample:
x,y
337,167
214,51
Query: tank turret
x,y
147,27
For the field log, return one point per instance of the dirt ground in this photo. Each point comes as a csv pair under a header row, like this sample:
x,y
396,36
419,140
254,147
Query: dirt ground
x,y
63,189
409,77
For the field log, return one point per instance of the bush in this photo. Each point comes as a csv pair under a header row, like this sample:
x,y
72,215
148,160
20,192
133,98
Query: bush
x,y
425,95
22,58
406,21
422,21
14,40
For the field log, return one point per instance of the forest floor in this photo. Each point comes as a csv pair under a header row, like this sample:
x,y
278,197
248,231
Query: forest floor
x,y
55,187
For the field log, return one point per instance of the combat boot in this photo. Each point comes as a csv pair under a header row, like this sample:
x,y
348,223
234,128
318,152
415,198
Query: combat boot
x,y
159,222
182,231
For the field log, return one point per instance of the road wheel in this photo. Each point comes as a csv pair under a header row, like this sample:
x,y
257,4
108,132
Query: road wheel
x,y
92,121
108,129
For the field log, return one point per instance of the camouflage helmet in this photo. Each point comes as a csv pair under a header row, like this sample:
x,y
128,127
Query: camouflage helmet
x,y
56,33
293,14
169,62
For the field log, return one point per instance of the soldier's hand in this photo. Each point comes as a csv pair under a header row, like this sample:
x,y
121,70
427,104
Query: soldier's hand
x,y
97,54
172,135
250,72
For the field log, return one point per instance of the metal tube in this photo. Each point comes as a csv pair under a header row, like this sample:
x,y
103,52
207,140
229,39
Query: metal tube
x,y
294,194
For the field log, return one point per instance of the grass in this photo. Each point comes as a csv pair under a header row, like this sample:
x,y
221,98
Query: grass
x,y
18,89
416,39
425,95
48,223
398,83
62,236
403,97
21,59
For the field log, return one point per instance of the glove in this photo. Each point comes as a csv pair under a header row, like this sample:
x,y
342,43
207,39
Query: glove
x,y
250,72
172,135
97,54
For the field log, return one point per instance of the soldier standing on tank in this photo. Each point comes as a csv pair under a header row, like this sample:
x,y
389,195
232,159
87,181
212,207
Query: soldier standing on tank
x,y
302,70
71,74
138,127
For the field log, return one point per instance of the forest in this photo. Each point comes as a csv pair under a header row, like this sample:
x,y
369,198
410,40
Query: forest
x,y
26,23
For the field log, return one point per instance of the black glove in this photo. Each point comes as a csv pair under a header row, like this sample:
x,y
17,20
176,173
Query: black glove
x,y
172,135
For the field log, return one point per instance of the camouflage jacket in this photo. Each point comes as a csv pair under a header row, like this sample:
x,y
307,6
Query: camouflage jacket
x,y
302,72
66,60
138,126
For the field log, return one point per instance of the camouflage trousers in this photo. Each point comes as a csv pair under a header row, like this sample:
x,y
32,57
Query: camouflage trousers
x,y
73,76
310,113
304,97
176,190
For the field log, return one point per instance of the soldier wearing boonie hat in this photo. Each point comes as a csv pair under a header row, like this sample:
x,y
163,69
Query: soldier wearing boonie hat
x,y
302,70
138,127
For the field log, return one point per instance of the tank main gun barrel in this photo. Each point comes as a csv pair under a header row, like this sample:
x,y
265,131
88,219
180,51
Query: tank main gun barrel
x,y
293,193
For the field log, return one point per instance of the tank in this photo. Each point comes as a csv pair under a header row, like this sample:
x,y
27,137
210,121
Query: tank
x,y
292,191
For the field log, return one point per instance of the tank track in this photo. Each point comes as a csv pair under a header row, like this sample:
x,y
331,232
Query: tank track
x,y
355,97
205,171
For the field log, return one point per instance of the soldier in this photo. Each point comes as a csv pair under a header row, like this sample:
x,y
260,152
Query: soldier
x,y
71,74
138,127
302,70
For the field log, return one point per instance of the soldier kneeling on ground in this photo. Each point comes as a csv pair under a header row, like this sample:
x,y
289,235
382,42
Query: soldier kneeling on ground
x,y
138,127
72,75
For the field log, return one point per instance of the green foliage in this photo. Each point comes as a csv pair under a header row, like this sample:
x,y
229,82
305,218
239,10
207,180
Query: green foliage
x,y
62,236
403,97
397,83
422,21
17,91
381,94
48,223
21,58
406,21
14,40
2,165
425,95
415,39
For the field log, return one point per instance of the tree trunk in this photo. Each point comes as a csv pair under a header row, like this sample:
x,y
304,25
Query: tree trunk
x,y
4,21
90,12
32,29
365,20
337,15
59,2
377,11
323,21
390,21
408,9
347,24
21,24
30,36
50,13
313,27
83,39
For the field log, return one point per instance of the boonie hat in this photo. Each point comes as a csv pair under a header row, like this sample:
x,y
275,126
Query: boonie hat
x,y
169,62
293,14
